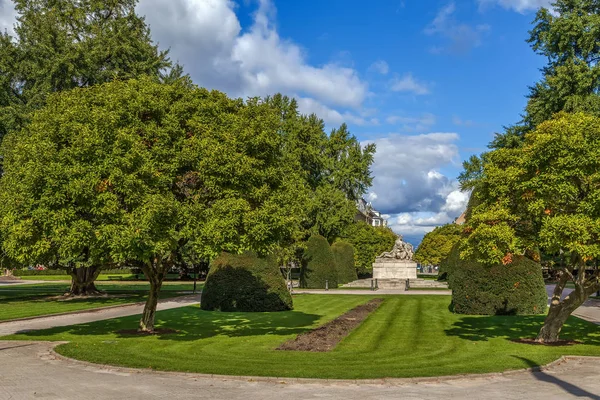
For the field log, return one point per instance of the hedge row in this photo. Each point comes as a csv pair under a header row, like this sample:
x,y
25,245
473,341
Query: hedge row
x,y
513,289
343,254
245,283
318,265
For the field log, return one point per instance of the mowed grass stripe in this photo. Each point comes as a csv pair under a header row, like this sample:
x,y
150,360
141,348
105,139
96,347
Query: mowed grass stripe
x,y
407,336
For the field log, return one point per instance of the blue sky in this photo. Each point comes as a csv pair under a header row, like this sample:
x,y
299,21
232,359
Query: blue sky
x,y
428,81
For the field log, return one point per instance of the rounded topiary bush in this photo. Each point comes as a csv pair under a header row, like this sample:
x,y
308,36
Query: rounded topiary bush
x,y
245,282
515,288
343,254
318,264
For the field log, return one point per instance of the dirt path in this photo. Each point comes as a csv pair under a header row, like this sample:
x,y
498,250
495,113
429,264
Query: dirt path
x,y
29,370
9,328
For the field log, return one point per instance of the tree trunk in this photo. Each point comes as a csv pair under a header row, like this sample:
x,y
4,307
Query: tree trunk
x,y
559,310
155,272
82,281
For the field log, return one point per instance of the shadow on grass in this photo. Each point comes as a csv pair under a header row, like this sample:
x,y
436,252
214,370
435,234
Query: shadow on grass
x,y
483,328
566,386
191,324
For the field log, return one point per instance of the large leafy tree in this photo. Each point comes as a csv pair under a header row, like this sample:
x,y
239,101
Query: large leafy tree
x,y
543,200
335,167
66,44
369,242
133,172
437,244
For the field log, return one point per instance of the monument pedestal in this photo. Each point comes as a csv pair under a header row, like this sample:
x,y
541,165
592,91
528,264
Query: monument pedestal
x,y
390,268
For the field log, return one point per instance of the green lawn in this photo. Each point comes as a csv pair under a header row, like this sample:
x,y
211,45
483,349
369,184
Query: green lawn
x,y
21,301
407,336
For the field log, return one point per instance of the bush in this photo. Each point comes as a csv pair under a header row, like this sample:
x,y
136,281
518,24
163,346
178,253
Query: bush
x,y
245,283
318,265
513,289
343,254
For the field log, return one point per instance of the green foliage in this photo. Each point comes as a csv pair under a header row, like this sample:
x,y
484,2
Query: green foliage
x,y
247,283
437,244
318,265
335,168
64,44
515,288
369,242
568,40
343,254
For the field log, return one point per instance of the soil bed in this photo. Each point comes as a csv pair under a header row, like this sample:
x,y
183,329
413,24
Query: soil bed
x,y
326,337
557,343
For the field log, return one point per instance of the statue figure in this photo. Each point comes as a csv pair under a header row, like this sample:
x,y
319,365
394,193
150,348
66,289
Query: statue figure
x,y
401,251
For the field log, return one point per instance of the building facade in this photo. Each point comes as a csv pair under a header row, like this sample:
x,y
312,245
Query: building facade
x,y
365,212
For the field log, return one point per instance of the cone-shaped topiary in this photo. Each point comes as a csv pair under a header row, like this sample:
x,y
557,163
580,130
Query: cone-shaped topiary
x,y
318,265
343,254
245,282
515,288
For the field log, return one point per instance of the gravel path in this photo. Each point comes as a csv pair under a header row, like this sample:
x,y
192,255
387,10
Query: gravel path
x,y
30,370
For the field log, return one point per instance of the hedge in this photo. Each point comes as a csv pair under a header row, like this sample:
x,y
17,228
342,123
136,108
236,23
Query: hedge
x,y
246,283
343,254
513,289
318,265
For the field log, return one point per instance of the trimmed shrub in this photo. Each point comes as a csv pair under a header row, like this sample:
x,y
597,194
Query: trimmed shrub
x,y
246,283
513,289
318,265
343,254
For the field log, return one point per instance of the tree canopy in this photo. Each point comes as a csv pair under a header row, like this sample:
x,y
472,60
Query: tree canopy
x,y
437,244
64,44
129,172
369,242
543,198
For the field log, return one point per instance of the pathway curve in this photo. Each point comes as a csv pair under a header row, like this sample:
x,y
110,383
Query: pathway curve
x,y
30,370
9,328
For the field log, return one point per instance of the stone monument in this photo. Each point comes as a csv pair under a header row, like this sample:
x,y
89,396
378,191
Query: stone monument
x,y
397,264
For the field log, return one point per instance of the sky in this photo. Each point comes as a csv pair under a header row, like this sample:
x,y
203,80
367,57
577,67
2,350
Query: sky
x,y
428,81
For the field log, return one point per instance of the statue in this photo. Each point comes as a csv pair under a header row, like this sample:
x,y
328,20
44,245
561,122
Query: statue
x,y
401,251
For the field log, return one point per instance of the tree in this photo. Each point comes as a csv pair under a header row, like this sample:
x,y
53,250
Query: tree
x,y
343,254
369,242
65,44
134,171
335,168
437,244
568,38
541,200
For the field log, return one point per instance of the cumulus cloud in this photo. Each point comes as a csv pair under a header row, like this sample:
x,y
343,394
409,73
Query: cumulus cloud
x,y
330,116
412,124
461,37
462,122
408,84
521,6
206,37
381,67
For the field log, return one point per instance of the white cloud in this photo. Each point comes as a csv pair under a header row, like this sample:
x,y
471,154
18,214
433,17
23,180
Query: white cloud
x,y
409,84
380,67
521,6
462,37
7,16
412,124
407,175
206,36
330,116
